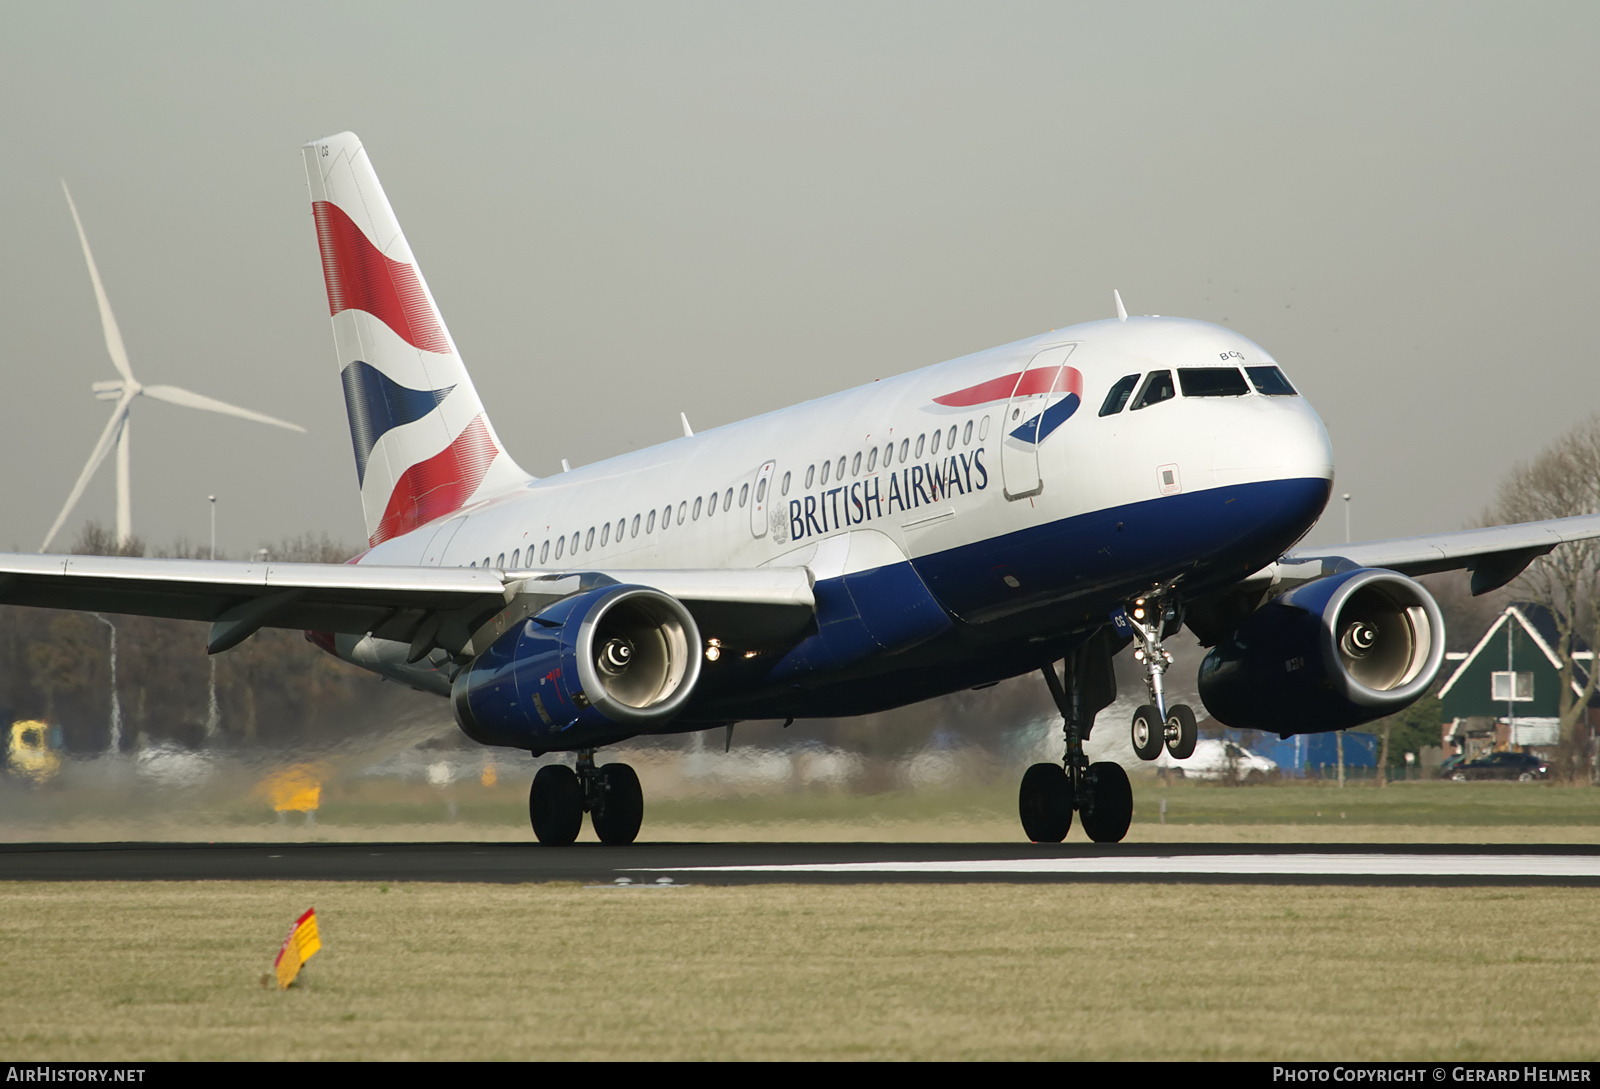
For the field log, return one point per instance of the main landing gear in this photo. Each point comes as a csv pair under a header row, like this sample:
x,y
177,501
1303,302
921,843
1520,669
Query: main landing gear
x,y
610,795
1156,723
1099,792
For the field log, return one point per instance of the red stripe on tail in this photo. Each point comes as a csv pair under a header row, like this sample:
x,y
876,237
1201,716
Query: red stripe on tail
x,y
436,487
361,278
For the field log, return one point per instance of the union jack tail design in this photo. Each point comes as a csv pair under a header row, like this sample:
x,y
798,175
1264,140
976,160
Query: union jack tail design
x,y
424,447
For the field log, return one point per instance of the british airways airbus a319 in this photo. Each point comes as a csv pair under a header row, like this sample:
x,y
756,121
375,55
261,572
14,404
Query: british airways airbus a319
x,y
1037,507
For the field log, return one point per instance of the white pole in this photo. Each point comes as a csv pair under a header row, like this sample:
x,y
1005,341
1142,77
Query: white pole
x,y
116,702
1346,517
213,718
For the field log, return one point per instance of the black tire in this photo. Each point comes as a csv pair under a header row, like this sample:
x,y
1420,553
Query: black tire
x,y
620,810
1108,809
1526,777
555,805
1045,803
1146,732
1180,720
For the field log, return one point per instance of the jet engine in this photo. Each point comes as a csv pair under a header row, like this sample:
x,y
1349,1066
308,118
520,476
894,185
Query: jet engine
x,y
593,668
1332,653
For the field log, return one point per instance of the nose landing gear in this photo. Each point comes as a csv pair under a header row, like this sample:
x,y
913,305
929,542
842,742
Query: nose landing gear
x,y
1156,723
610,795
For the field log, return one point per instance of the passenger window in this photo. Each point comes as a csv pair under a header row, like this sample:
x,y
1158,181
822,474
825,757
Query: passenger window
x,y
872,459
697,502
905,450
573,548
1270,381
937,435
840,471
727,500
983,429
605,534
650,526
950,439
1118,396
811,478
561,545
666,517
888,455
761,491
785,492
544,553
500,561
855,466
966,434
827,467
516,559
1212,382
683,508
921,439
711,505
634,531
588,540
622,524
1157,388
744,494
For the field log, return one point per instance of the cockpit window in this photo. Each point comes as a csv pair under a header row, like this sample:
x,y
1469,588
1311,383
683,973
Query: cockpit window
x,y
1157,388
1270,381
1212,382
1118,397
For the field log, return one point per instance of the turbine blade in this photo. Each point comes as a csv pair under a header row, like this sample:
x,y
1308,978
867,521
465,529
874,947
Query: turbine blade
x,y
108,439
108,322
174,395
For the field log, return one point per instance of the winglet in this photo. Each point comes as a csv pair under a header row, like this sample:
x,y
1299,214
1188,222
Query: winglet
x,y
1122,311
688,432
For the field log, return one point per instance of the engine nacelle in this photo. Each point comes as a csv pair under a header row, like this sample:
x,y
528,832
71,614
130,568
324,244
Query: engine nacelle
x,y
593,668
1336,652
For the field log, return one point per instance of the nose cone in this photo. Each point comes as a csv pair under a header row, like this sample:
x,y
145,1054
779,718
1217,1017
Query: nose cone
x,y
1270,438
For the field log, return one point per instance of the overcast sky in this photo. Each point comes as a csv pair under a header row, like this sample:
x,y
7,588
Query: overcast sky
x,y
629,210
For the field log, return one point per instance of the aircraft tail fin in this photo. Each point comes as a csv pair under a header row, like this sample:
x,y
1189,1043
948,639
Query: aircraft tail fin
x,y
424,446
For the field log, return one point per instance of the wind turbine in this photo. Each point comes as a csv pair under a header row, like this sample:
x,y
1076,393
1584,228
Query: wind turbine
x,y
124,391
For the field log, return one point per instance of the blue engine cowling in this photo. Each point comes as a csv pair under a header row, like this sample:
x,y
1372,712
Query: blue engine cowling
x,y
593,668
1335,652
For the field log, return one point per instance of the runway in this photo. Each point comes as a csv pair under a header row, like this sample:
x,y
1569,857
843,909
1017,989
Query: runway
x,y
663,865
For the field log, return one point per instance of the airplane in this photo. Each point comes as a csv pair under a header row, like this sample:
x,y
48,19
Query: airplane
x,y
1036,507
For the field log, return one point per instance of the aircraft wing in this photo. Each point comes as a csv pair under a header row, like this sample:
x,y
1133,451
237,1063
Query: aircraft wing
x,y
444,605
1495,555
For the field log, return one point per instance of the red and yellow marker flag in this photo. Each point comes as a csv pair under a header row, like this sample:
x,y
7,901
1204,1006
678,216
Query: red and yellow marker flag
x,y
298,947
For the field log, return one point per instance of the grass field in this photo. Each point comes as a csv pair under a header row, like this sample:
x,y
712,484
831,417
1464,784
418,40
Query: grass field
x,y
132,972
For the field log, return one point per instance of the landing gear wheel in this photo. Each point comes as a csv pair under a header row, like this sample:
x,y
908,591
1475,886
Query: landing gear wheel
x,y
1181,731
620,811
555,805
1045,803
1108,809
1147,732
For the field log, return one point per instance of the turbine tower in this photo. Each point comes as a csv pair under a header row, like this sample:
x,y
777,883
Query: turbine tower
x,y
124,391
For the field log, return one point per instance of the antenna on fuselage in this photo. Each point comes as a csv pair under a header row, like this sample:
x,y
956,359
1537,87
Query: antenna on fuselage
x,y
565,468
688,432
1122,311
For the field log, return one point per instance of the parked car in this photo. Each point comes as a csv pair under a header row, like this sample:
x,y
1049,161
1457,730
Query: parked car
x,y
1522,766
1215,759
